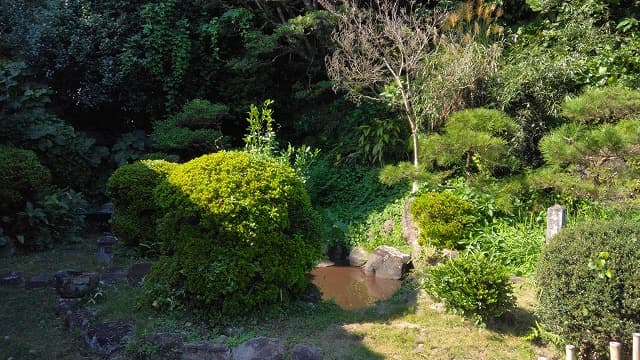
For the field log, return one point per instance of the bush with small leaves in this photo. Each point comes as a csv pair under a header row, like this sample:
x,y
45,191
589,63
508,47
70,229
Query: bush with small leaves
x,y
134,209
588,284
443,218
473,286
238,233
21,177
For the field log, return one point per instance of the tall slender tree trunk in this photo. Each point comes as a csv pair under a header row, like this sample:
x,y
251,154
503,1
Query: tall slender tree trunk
x,y
414,135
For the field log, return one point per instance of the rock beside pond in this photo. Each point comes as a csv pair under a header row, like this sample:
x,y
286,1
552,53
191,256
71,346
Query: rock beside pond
x,y
75,284
306,352
387,262
206,351
260,349
358,256
108,337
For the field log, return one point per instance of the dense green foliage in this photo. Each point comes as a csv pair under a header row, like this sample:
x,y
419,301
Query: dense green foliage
x,y
478,140
22,177
603,105
238,232
193,131
588,284
596,155
443,218
474,286
134,209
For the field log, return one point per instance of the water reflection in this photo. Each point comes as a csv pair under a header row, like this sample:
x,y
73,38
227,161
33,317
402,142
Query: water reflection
x,y
350,288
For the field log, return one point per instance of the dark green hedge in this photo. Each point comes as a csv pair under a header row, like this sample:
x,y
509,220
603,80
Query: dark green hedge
x,y
589,284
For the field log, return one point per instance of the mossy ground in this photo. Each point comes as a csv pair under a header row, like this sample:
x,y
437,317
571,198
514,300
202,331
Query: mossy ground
x,y
404,327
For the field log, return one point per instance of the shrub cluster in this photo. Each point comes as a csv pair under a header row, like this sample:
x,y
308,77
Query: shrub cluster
x,y
135,212
235,231
21,176
588,282
443,218
473,286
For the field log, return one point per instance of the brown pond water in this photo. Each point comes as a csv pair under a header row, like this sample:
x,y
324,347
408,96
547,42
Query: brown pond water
x,y
350,288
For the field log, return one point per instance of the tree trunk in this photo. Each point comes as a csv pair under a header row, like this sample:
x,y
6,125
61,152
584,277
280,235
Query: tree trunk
x,y
414,135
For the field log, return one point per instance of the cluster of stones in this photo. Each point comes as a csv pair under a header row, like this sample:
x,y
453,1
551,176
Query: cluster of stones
x,y
170,346
110,337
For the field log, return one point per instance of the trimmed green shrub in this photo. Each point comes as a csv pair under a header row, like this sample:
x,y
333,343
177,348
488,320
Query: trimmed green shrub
x,y
199,114
134,209
21,177
589,284
473,286
603,105
238,233
169,137
193,131
443,218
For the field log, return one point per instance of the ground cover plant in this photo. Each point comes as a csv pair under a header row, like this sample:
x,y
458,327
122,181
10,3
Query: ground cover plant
x,y
403,327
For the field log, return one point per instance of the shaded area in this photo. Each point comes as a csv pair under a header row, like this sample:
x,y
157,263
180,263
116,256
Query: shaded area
x,y
350,288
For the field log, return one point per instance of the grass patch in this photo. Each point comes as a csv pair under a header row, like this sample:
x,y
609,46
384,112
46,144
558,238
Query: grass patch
x,y
404,327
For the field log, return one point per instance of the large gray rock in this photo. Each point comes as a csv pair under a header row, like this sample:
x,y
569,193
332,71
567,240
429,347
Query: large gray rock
x,y
108,337
206,351
75,284
387,262
260,349
306,352
358,256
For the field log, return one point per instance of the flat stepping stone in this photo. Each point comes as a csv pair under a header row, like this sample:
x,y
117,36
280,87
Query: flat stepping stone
x,y
112,275
12,279
166,346
64,305
74,283
108,337
206,351
79,319
261,348
306,352
39,281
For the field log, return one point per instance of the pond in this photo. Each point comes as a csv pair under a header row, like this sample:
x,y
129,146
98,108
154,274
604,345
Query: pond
x,y
351,288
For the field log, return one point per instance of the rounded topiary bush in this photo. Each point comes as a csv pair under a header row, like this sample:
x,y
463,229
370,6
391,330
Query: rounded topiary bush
x,y
21,177
134,209
473,286
443,218
589,284
238,233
